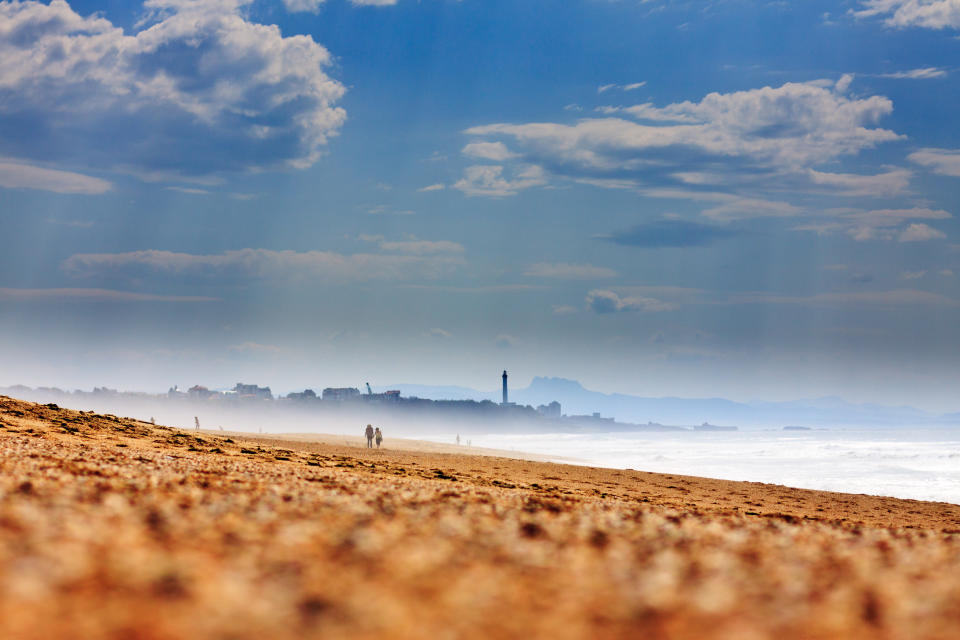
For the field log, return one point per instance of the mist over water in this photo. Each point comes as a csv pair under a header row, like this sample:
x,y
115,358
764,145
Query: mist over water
x,y
921,464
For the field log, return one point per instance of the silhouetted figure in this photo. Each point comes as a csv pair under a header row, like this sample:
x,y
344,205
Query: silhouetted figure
x,y
458,439
378,435
196,422
369,433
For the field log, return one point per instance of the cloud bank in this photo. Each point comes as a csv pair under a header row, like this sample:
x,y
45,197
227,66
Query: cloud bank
x,y
15,175
731,141
246,264
602,301
789,126
931,14
945,162
197,90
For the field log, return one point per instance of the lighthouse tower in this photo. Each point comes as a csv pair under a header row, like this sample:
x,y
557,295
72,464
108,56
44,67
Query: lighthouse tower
x,y
505,387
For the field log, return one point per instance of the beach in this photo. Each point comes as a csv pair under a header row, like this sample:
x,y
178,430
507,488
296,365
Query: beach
x,y
111,527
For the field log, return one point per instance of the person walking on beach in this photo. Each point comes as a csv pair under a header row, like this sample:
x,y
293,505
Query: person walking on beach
x,y
379,436
369,434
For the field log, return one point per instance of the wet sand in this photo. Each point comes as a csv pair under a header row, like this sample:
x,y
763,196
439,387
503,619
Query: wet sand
x,y
114,528
304,441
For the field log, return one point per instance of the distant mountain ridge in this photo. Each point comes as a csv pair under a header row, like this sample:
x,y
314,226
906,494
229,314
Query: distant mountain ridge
x,y
577,400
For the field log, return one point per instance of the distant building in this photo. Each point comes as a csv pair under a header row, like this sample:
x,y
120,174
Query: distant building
x,y
340,394
593,418
97,391
306,394
393,395
199,392
505,399
252,391
551,410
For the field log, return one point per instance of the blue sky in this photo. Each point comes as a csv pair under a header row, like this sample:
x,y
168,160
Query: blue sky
x,y
736,198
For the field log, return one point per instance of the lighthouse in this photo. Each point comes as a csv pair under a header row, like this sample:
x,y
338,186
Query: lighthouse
x,y
505,387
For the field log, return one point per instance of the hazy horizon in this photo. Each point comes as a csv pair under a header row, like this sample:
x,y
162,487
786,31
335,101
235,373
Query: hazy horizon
x,y
745,200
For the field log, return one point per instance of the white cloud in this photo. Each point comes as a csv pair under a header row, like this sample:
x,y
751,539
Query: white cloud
x,y
432,187
245,264
913,275
568,271
728,206
373,3
604,301
926,73
488,180
622,87
14,175
414,246
770,130
297,6
932,14
883,184
648,111
880,224
945,162
193,191
893,217
93,295
946,273
738,208
438,333
564,309
386,210
495,151
919,232
197,90
843,83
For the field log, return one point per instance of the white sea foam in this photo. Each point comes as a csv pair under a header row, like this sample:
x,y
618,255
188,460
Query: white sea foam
x,y
922,464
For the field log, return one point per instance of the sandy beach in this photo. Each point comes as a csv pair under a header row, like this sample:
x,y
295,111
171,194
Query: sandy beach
x,y
115,528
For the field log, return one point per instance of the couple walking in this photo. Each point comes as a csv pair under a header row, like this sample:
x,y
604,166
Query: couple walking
x,y
372,433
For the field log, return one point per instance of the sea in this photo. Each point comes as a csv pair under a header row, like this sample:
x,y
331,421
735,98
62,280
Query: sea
x,y
917,463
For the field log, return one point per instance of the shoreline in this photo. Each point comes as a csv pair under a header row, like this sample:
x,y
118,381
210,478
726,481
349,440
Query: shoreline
x,y
356,444
676,489
393,444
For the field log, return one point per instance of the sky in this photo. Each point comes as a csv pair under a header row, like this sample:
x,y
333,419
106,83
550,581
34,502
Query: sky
x,y
741,198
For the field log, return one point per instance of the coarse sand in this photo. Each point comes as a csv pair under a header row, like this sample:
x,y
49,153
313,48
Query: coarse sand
x,y
115,528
